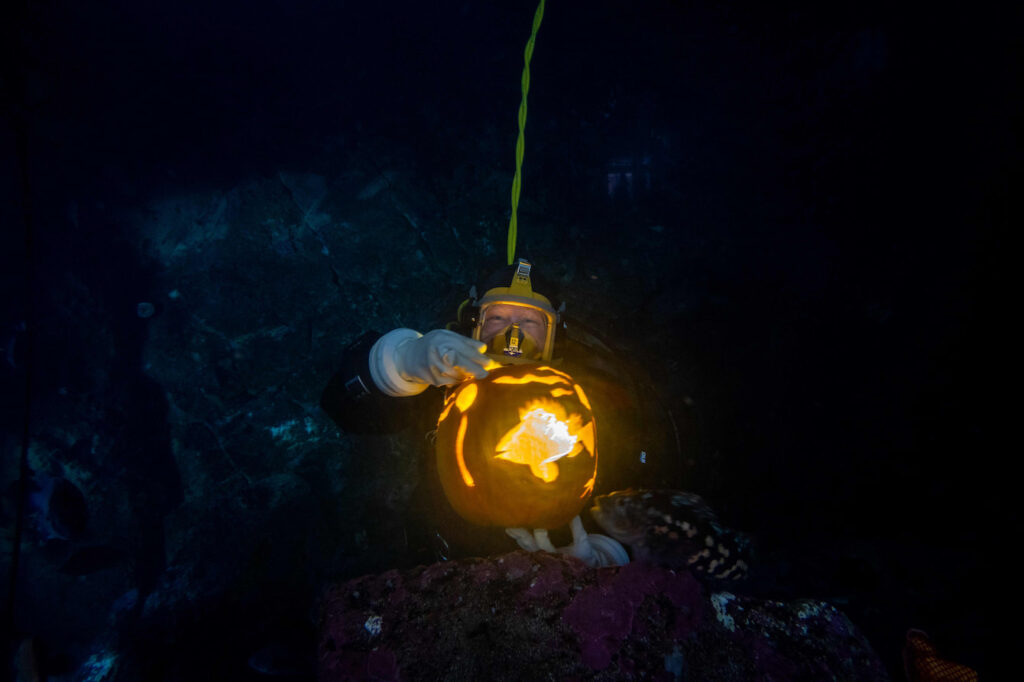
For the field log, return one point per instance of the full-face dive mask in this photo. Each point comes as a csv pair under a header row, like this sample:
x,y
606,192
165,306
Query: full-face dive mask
x,y
513,344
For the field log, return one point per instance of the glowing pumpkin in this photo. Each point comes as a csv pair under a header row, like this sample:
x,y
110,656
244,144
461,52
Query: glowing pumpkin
x,y
518,448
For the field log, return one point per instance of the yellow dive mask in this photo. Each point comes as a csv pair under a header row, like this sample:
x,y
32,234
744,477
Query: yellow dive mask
x,y
518,344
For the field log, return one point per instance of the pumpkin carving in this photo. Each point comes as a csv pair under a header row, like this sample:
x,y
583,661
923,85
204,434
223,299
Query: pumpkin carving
x,y
517,448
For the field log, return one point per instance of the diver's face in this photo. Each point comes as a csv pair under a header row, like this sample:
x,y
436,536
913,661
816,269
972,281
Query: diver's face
x,y
500,316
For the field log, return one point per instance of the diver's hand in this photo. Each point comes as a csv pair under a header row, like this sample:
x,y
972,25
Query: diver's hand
x,y
442,358
403,362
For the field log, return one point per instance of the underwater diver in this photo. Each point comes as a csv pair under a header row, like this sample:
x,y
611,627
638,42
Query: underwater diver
x,y
382,387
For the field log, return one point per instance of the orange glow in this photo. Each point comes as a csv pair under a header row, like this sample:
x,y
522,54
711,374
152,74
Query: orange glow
x,y
463,398
508,448
444,413
538,441
588,436
467,478
589,487
530,378
583,397
568,379
466,396
543,404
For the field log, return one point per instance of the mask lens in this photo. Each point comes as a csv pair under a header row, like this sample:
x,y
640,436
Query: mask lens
x,y
517,332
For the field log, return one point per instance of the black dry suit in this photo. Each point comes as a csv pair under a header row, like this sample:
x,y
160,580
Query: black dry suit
x,y
634,433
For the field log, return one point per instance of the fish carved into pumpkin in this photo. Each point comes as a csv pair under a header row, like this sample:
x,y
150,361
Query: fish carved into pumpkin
x,y
518,448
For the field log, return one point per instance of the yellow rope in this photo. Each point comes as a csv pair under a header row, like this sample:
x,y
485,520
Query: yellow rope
x,y
517,181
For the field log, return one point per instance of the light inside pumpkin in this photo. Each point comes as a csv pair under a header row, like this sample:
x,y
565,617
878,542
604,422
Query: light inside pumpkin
x,y
466,397
510,446
460,457
538,440
582,396
544,433
555,377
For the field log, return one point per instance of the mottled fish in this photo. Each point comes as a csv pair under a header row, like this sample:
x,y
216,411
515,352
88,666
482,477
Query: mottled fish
x,y
675,529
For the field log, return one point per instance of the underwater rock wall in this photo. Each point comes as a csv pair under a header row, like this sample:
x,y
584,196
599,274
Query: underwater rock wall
x,y
223,199
542,616
262,286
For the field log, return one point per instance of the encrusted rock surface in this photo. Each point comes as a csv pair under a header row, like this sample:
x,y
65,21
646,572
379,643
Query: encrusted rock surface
x,y
541,616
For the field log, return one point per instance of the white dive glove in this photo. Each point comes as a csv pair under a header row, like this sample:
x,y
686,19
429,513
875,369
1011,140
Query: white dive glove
x,y
404,362
593,549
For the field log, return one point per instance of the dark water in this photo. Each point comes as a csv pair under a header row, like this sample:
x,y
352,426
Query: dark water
x,y
786,216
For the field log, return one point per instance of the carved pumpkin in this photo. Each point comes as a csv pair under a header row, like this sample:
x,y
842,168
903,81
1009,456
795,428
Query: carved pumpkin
x,y
518,448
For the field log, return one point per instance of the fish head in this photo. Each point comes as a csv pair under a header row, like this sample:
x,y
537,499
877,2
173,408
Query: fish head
x,y
621,515
675,529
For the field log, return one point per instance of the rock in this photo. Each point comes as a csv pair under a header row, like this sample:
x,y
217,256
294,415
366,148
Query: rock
x,y
542,616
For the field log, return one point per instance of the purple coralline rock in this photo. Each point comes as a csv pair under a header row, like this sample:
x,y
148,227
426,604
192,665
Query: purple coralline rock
x,y
603,614
543,616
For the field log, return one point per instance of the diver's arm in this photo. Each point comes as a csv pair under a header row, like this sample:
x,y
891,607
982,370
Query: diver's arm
x,y
354,401
380,375
404,362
